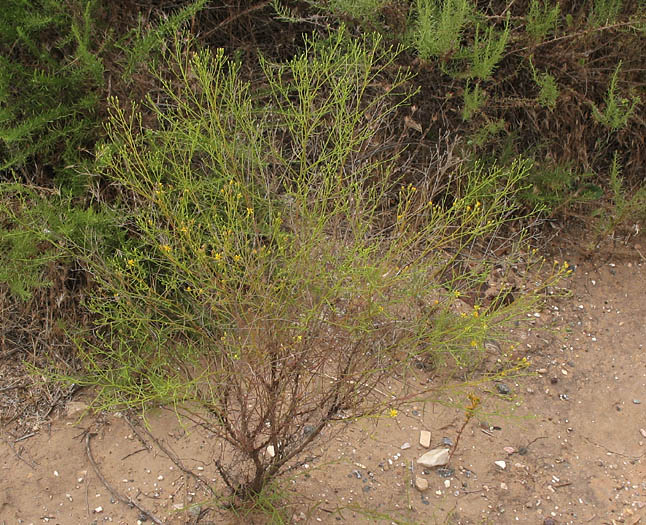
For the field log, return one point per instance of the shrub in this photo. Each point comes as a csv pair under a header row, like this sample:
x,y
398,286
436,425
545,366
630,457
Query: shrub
x,y
267,288
50,82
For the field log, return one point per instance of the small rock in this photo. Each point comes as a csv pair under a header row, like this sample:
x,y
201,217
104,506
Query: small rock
x,y
435,458
271,451
637,401
501,464
415,413
72,408
554,380
503,486
549,521
447,483
405,446
642,432
503,389
509,450
421,484
425,438
308,429
542,370
356,474
98,510
447,441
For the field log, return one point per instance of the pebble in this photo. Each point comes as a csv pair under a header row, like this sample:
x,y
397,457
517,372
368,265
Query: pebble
x,y
271,451
435,458
637,401
447,441
98,510
501,464
421,484
503,389
425,438
642,432
405,446
446,472
509,450
447,483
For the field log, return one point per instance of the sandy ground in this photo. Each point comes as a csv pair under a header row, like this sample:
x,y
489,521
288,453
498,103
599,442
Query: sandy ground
x,y
572,436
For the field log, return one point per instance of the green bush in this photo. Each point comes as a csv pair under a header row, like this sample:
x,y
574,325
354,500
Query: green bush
x,y
268,285
51,82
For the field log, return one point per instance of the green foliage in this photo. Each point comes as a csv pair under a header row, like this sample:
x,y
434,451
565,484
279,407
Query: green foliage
x,y
618,110
624,207
549,91
362,10
438,26
541,19
473,101
605,12
50,81
142,43
35,230
487,50
554,186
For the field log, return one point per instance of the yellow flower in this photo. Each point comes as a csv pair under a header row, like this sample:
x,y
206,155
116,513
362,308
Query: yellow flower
x,y
249,211
456,293
165,248
236,258
131,262
218,257
393,412
474,343
184,229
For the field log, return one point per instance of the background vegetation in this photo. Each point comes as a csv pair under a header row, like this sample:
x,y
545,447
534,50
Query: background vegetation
x,y
273,205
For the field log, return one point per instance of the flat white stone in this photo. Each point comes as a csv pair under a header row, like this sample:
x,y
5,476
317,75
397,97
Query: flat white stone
x,y
435,458
425,438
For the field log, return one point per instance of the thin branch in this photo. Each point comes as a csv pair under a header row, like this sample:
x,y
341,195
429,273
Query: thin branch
x,y
131,503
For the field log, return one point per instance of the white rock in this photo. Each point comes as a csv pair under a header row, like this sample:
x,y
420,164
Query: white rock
x,y
271,451
425,438
447,483
405,446
501,464
72,408
435,458
421,484
98,510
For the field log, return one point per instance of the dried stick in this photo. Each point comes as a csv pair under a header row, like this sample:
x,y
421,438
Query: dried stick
x,y
131,503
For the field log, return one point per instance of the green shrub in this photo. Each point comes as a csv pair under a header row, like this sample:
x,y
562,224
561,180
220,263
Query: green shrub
x,y
487,50
618,110
268,285
438,26
50,82
541,19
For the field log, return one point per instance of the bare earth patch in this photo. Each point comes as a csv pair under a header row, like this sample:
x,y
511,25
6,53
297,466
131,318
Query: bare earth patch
x,y
572,436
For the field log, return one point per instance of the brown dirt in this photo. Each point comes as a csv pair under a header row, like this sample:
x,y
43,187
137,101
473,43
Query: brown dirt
x,y
575,424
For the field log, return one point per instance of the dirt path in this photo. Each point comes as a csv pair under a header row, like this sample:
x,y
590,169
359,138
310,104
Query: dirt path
x,y
577,428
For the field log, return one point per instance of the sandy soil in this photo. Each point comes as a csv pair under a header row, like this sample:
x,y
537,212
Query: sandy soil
x,y
572,436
